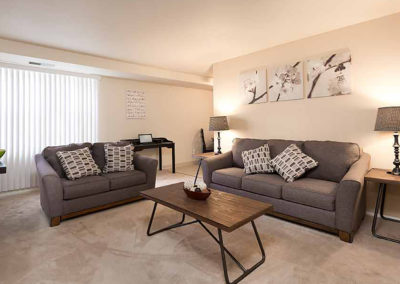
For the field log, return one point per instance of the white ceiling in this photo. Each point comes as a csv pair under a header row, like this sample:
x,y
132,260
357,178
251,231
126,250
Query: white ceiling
x,y
181,35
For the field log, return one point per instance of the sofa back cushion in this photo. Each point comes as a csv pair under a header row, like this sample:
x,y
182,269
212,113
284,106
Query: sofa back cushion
x,y
49,153
98,152
244,144
276,146
334,158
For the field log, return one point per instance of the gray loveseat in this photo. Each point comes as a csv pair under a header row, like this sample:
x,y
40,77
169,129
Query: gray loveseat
x,y
330,197
61,198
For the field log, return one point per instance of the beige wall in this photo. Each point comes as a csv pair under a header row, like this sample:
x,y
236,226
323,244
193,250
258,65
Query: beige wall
x,y
375,49
176,113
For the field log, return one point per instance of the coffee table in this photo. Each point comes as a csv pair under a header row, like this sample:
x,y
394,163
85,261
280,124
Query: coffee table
x,y
224,211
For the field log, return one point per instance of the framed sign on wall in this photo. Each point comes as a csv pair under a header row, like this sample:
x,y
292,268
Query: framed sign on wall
x,y
135,104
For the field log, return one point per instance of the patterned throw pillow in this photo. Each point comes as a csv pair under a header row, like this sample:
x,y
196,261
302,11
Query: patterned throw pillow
x,y
118,158
292,163
257,160
78,163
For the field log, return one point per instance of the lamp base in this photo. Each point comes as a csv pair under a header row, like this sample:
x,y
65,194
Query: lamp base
x,y
396,162
219,144
395,172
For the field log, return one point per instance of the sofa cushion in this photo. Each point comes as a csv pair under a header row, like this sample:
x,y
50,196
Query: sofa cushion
x,y
98,152
334,158
264,184
50,154
312,192
120,180
257,161
231,177
240,145
276,146
78,163
85,186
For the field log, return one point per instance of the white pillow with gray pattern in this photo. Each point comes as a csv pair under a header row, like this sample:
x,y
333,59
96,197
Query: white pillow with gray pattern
x,y
118,158
257,161
78,163
292,163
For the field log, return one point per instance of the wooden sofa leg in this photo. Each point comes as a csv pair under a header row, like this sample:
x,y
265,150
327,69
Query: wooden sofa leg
x,y
346,237
55,221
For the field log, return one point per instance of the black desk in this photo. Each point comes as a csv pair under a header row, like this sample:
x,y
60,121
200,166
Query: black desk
x,y
157,143
3,168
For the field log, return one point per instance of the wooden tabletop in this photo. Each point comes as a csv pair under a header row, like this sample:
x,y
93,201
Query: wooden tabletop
x,y
382,176
222,210
203,155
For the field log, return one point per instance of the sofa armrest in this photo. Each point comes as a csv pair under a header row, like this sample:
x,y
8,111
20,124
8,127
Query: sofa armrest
x,y
147,165
216,162
351,196
51,190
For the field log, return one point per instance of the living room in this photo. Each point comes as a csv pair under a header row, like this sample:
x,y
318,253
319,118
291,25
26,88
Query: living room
x,y
283,116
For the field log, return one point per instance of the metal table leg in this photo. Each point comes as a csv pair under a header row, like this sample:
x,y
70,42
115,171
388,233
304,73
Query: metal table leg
x,y
246,271
220,241
383,207
180,224
379,207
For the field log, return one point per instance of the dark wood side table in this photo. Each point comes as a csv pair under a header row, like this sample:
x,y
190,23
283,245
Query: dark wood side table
x,y
3,168
384,178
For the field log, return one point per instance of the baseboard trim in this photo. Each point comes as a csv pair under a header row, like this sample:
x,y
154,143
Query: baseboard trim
x,y
181,164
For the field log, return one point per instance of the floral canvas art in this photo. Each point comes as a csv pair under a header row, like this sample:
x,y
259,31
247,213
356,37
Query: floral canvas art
x,y
285,82
253,86
329,75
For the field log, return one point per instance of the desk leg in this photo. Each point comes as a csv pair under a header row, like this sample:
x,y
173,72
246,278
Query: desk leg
x,y
160,158
379,207
173,158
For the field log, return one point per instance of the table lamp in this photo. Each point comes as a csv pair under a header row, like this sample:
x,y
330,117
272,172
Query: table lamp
x,y
388,119
218,123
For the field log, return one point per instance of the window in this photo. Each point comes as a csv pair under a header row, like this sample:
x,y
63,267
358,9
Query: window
x,y
39,109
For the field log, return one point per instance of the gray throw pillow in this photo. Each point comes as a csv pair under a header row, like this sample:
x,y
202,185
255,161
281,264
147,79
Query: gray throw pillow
x,y
257,160
292,163
78,163
118,158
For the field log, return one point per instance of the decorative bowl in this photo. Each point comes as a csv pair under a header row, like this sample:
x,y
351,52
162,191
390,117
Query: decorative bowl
x,y
198,195
2,152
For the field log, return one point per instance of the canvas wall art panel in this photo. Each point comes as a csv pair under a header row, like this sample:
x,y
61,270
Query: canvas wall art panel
x,y
135,104
285,82
253,86
329,75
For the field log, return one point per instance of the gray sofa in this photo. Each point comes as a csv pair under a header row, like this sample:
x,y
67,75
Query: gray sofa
x,y
330,197
61,198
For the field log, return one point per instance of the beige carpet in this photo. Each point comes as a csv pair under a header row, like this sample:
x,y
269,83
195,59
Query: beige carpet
x,y
112,247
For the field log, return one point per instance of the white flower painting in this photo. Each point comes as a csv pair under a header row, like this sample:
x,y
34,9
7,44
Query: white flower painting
x,y
285,82
329,75
253,86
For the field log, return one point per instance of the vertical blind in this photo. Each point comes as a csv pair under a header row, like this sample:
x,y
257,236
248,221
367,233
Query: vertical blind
x,y
39,109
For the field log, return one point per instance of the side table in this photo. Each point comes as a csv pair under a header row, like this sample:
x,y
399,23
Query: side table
x,y
384,178
201,157
3,168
